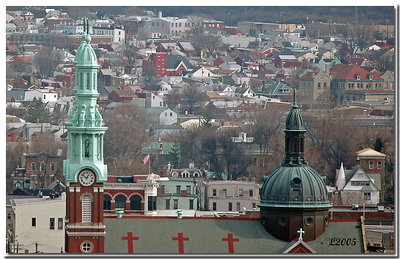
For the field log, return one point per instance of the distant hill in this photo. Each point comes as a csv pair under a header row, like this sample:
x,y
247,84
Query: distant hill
x,y
286,14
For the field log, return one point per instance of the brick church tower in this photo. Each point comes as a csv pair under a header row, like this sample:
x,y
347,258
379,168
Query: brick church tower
x,y
84,168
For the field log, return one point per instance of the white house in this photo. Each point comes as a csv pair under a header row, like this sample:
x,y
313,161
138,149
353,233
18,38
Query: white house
x,y
229,91
161,116
244,92
356,187
203,72
153,100
38,225
240,78
45,95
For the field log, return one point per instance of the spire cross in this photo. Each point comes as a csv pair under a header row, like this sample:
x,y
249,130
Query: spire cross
x,y
301,232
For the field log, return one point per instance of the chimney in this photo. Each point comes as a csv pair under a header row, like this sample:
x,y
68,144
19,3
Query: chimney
x,y
207,179
160,14
230,177
27,148
191,164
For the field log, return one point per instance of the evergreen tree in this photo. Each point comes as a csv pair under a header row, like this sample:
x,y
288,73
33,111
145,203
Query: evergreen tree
x,y
37,112
378,144
176,154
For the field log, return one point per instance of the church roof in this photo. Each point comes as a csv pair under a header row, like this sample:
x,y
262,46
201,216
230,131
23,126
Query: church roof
x,y
294,120
205,235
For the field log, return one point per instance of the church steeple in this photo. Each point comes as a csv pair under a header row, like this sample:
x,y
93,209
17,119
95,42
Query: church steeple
x,y
294,136
86,128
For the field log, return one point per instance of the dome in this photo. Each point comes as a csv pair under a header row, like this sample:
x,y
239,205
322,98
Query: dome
x,y
294,120
294,186
85,55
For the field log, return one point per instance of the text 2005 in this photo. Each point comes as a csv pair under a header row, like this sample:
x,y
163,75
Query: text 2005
x,y
337,241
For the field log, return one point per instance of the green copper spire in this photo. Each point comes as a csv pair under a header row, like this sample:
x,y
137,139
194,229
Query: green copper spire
x,y
85,128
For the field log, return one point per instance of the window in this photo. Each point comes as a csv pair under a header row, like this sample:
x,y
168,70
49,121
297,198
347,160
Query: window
x,y
52,222
178,189
106,202
367,196
34,222
214,206
60,223
120,202
324,85
238,206
167,204
175,204
230,206
214,192
87,81
52,166
371,164
44,96
164,113
42,167
254,161
86,209
170,114
254,205
152,203
161,105
241,192
379,164
9,215
136,203
189,189
33,166
190,204
319,85
251,193
86,247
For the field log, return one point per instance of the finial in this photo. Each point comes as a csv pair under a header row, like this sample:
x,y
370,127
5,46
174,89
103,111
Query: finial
x,y
301,232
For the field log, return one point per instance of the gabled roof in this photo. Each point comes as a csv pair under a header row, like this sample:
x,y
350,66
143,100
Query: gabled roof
x,y
186,46
173,62
156,110
226,59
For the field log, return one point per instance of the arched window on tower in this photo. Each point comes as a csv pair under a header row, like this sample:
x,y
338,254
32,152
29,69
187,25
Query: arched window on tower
x,y
136,203
120,202
88,81
86,209
94,80
81,80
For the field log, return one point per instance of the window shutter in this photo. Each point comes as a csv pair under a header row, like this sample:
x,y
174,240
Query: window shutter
x,y
86,209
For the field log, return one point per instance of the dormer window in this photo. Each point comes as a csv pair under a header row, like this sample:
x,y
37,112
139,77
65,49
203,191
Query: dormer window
x,y
370,77
358,77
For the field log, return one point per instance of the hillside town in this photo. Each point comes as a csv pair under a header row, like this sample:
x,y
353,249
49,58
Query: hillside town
x,y
268,137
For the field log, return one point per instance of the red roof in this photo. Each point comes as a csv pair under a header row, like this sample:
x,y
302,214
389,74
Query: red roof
x,y
350,72
232,31
308,75
382,44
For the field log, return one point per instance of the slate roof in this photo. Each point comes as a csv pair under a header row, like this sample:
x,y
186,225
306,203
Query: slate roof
x,y
155,236
174,60
186,46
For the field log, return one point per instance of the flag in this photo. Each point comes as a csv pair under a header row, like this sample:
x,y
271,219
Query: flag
x,y
146,159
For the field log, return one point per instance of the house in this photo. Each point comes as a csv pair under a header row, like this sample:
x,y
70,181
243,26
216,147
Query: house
x,y
166,65
244,92
177,193
153,100
371,161
315,85
241,79
125,94
132,195
227,196
15,95
32,128
274,89
167,47
352,82
202,72
268,51
14,134
223,60
213,24
45,95
244,60
356,187
187,48
38,225
161,116
286,61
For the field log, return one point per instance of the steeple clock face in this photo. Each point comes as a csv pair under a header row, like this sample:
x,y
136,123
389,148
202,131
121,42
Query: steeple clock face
x,y
87,177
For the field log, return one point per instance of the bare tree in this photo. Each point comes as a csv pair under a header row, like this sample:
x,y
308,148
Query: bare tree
x,y
357,37
129,53
46,64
